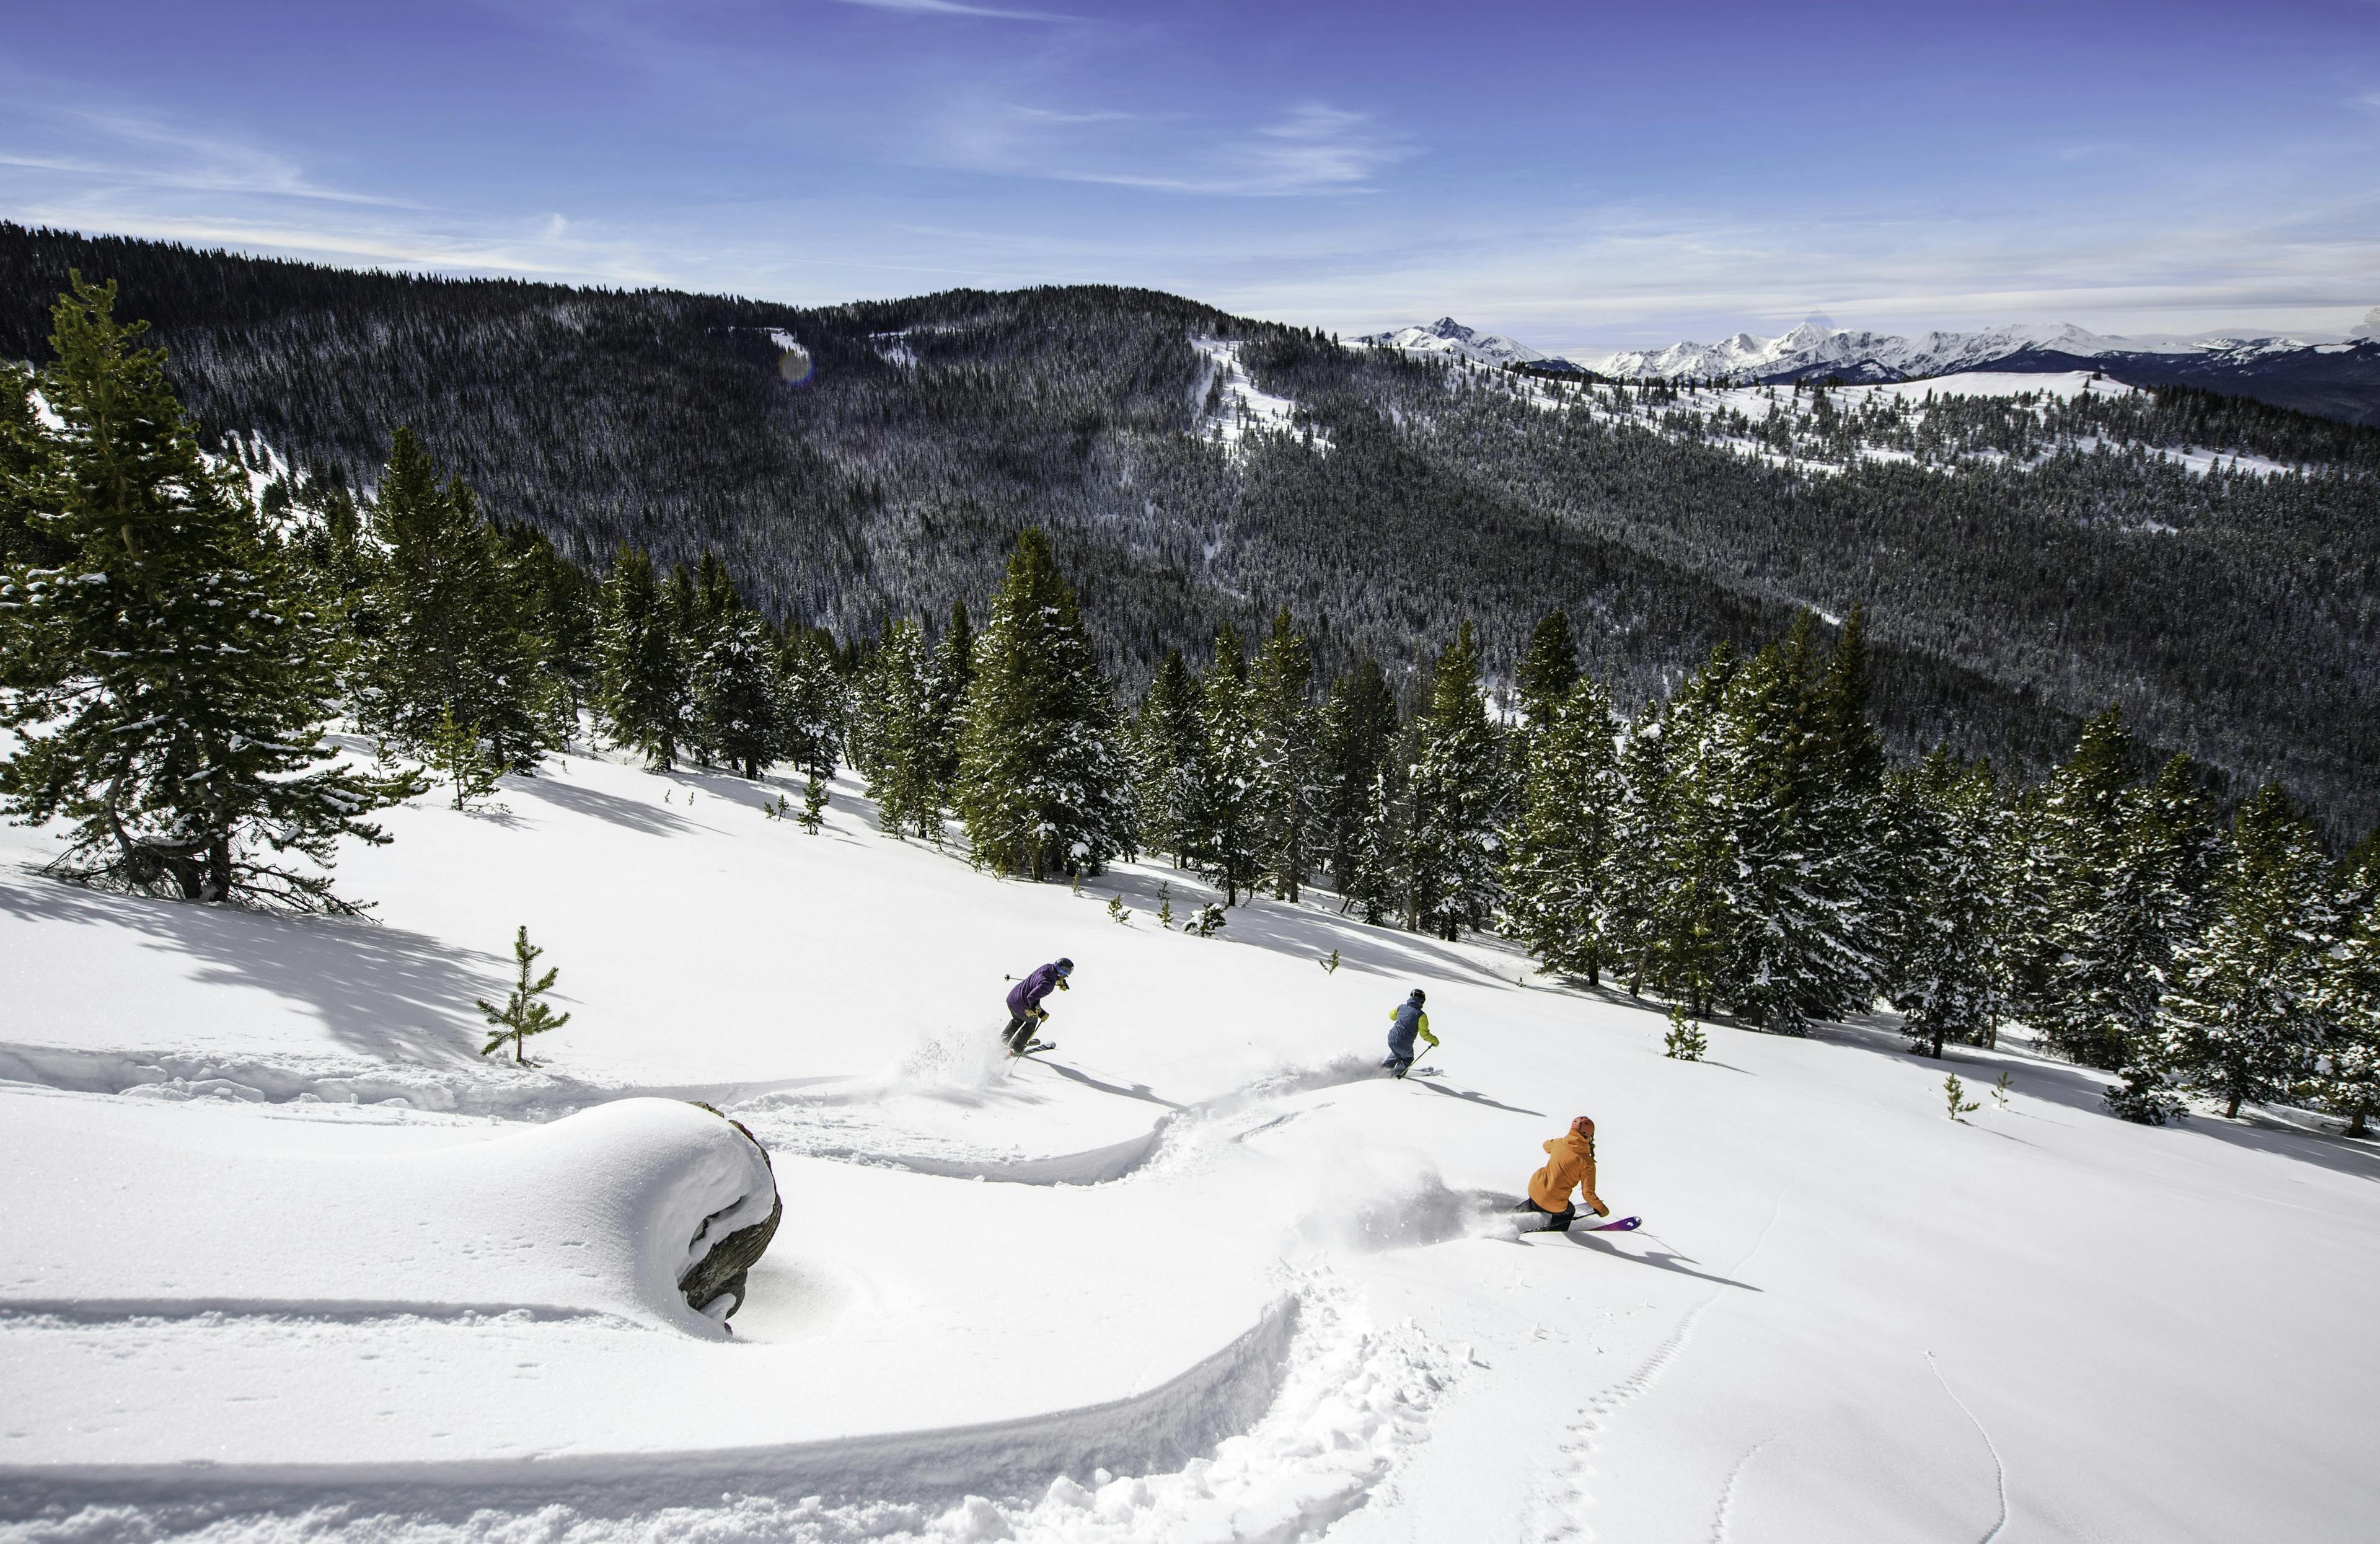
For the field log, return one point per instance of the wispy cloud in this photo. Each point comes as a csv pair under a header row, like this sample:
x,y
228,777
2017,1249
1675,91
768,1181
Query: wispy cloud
x,y
1312,149
953,7
126,149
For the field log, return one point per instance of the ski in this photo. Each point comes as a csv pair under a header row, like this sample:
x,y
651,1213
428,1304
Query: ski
x,y
1036,1045
1625,1224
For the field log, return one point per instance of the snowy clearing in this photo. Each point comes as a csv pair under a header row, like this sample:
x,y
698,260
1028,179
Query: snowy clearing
x,y
283,1257
1244,408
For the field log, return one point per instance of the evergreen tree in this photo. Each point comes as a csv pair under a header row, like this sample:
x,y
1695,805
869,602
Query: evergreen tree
x,y
1042,782
2071,973
1548,670
2243,1019
1288,764
1359,726
1639,841
1688,928
1382,889
167,674
2346,1081
1227,811
687,618
1168,747
1560,877
947,677
524,1013
1460,797
813,704
735,693
641,685
1953,989
895,745
449,624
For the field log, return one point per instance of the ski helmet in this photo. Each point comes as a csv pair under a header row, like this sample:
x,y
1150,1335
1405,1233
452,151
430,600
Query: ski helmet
x,y
1065,966
1419,995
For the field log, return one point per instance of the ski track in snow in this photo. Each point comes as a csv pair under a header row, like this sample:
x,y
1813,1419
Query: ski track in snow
x,y
1999,1465
1727,1493
1573,1494
1327,1402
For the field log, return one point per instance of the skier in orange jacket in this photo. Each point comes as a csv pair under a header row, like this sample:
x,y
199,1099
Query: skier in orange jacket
x,y
1570,1165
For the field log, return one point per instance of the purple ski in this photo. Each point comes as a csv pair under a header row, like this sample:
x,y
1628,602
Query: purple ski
x,y
1625,1224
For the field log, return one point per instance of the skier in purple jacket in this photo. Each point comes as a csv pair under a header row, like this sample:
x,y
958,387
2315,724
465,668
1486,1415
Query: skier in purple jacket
x,y
1024,1009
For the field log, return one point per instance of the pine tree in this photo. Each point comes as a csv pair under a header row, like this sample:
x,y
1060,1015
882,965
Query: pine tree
x,y
523,1013
167,675
456,752
1168,746
1639,830
2346,1081
1954,983
29,480
1042,781
814,803
1288,766
2242,1021
1359,726
642,691
894,747
1460,798
449,622
813,704
1687,925
2070,974
1548,670
735,693
947,678
1560,877
1227,814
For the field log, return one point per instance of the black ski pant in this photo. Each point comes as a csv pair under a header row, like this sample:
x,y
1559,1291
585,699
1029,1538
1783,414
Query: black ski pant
x,y
1554,1222
1019,1033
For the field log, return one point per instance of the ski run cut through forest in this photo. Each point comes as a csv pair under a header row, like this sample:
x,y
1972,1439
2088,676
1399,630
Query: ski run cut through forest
x,y
498,1050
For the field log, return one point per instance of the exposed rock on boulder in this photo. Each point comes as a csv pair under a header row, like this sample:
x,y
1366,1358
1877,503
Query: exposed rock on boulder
x,y
731,1241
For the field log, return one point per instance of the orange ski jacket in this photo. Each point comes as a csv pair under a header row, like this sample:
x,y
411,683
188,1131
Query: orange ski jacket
x,y
1570,1162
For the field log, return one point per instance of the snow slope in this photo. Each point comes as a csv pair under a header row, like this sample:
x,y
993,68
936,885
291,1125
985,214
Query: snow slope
x,y
1197,1274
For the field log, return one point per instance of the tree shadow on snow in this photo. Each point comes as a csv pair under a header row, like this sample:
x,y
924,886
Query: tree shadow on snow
x,y
580,799
2082,1090
381,993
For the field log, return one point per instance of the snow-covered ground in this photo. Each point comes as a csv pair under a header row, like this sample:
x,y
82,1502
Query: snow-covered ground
x,y
282,1257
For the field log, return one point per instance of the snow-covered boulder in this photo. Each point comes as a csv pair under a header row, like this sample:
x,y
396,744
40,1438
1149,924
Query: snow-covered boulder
x,y
732,1240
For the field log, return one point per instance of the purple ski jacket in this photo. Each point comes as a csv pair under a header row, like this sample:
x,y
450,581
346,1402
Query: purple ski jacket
x,y
1027,994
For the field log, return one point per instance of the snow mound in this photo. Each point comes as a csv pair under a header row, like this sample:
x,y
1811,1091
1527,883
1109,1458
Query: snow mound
x,y
598,1214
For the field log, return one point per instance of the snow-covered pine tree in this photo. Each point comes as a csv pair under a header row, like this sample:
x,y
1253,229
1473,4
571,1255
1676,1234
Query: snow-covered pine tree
x,y
893,739
2148,905
1168,741
1693,847
1548,670
813,704
1460,798
1952,984
446,623
1288,761
2346,1079
2243,1019
641,691
1359,726
1043,784
947,675
2068,973
687,605
1559,878
1639,830
165,669
1227,810
525,1011
735,693
1383,889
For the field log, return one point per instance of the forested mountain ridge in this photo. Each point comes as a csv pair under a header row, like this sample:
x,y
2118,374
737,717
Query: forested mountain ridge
x,y
2232,613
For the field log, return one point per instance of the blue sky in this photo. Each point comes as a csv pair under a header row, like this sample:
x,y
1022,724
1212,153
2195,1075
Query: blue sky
x,y
1581,176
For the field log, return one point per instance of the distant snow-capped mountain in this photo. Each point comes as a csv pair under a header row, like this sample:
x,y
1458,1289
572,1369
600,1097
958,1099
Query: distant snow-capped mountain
x,y
1449,337
2338,378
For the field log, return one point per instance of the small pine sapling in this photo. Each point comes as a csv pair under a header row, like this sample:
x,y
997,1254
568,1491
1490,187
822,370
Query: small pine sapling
x,y
1207,923
1118,912
1960,1106
1685,1042
1164,903
1074,883
813,803
1330,962
2001,1091
522,1015
455,751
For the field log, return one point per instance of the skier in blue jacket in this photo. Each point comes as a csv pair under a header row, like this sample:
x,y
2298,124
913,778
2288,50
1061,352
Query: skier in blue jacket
x,y
1405,1021
1024,1009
